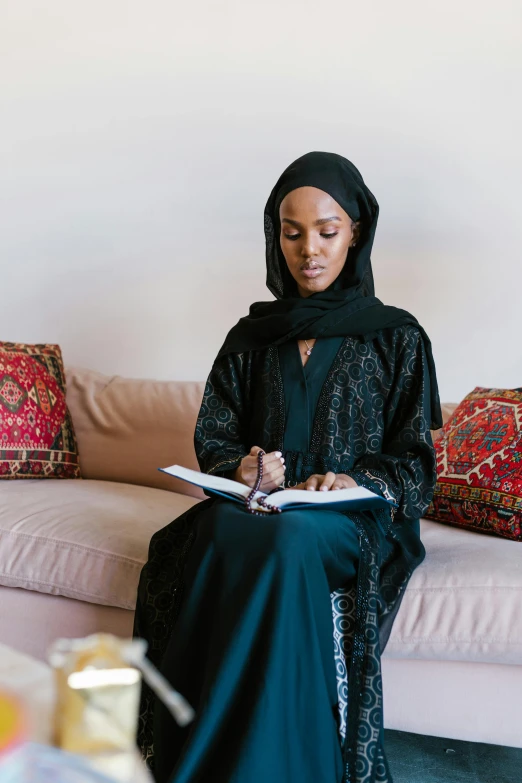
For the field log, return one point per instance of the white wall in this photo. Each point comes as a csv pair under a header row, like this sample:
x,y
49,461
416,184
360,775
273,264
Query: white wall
x,y
140,140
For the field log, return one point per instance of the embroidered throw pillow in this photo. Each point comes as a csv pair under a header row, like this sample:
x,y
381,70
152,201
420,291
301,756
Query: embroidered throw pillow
x,y
479,464
36,432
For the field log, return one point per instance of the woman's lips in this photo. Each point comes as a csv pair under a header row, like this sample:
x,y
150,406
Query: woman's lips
x,y
312,272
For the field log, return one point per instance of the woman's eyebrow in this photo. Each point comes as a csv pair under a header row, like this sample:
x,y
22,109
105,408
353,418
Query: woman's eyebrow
x,y
319,222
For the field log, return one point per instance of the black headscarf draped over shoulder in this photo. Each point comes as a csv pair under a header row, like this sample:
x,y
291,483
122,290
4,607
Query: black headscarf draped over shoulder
x,y
349,306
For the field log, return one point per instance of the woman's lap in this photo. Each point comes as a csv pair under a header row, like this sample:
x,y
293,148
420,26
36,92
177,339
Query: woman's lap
x,y
255,628
237,535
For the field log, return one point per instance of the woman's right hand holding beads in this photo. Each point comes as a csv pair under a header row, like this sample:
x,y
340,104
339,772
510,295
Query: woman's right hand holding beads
x,y
273,470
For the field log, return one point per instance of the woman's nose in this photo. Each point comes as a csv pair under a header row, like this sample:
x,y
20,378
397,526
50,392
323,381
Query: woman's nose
x,y
309,247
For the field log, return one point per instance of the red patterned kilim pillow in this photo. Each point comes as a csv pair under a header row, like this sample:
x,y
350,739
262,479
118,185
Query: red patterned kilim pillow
x,y
479,464
36,432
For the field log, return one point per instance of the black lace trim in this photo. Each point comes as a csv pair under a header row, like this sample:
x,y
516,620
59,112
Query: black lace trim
x,y
278,391
364,758
323,405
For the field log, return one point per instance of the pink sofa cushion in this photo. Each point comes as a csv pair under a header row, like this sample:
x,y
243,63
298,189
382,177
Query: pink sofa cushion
x,y
464,601
81,539
127,428
89,540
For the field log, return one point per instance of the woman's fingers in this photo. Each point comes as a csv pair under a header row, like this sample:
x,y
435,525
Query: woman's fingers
x,y
313,482
273,468
274,460
270,458
271,461
328,481
254,451
247,471
342,483
274,473
275,480
273,465
276,469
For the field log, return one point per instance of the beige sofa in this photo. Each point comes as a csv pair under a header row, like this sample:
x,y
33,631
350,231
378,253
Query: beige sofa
x,y
71,553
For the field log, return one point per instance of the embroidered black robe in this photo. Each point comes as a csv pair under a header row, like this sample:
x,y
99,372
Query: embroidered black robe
x,y
371,421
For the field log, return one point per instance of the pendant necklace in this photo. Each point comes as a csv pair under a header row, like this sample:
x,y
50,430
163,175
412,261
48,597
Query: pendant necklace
x,y
309,351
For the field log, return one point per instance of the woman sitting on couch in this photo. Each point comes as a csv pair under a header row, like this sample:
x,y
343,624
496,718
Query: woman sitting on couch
x,y
337,390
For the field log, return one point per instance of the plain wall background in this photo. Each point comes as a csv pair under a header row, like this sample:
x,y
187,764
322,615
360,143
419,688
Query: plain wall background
x,y
140,141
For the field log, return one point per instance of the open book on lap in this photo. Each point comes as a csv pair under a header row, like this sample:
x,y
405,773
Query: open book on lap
x,y
355,498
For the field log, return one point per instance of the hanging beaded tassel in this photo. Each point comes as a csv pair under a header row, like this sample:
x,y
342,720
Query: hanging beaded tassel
x,y
267,508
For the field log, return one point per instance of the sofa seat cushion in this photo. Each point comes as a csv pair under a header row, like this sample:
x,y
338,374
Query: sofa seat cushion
x,y
88,540
81,539
464,602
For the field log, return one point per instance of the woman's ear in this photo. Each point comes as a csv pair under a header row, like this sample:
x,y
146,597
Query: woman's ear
x,y
356,232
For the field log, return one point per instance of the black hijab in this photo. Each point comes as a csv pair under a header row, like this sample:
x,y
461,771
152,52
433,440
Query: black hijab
x,y
349,306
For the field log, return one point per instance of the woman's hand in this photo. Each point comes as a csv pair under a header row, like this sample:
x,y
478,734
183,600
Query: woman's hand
x,y
273,470
327,482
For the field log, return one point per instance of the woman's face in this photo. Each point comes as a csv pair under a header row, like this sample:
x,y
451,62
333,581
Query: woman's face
x,y
316,234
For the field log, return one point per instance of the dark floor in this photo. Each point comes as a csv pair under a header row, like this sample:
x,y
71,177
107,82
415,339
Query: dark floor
x,y
415,758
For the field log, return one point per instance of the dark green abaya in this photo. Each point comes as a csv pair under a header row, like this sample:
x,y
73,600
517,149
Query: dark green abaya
x,y
253,618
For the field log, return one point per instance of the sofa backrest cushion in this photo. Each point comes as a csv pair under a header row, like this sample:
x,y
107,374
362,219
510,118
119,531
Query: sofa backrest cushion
x,y
128,428
448,409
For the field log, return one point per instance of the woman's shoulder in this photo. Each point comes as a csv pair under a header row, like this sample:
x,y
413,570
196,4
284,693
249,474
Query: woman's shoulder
x,y
232,364
399,338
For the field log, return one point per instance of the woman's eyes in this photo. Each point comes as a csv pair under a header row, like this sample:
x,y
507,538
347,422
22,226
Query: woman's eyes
x,y
296,236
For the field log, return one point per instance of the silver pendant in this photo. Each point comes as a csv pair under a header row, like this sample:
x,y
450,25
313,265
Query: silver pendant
x,y
308,352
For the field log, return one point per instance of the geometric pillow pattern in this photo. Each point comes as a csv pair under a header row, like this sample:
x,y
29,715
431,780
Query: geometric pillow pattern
x,y
479,464
37,437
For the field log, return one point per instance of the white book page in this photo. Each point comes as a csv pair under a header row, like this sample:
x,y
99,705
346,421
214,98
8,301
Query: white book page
x,y
207,481
282,499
